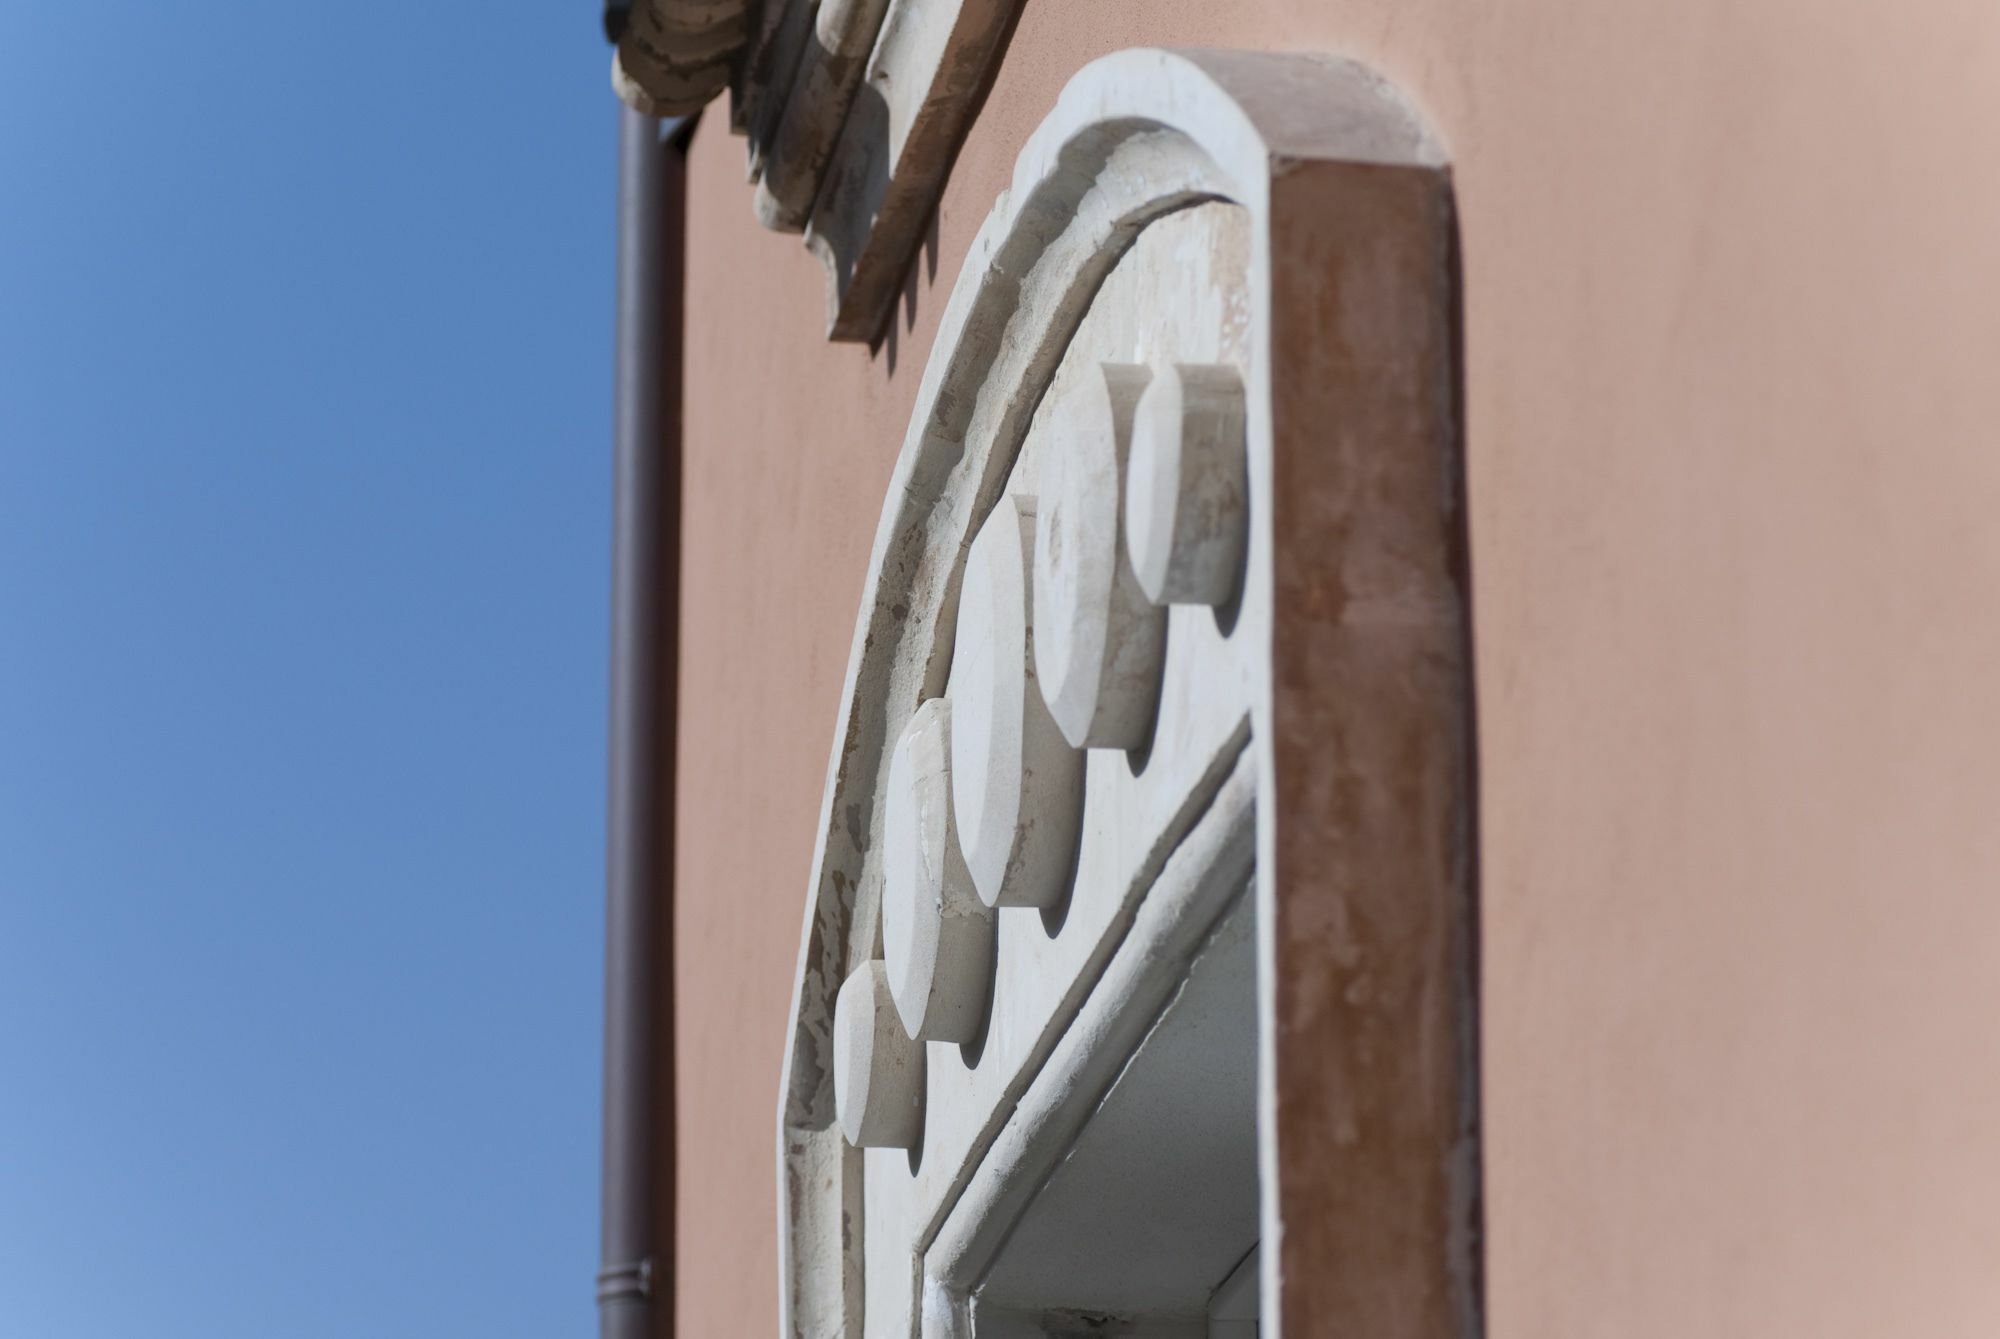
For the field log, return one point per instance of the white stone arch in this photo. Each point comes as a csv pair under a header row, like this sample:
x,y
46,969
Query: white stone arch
x,y
1322,730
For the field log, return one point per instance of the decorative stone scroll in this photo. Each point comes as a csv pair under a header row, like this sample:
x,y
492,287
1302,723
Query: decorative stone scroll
x,y
1137,990
853,110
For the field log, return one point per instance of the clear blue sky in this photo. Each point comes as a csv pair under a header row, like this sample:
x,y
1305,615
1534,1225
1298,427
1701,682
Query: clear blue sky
x,y
304,486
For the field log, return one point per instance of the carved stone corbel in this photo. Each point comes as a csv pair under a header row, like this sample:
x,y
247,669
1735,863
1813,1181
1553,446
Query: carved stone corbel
x,y
853,110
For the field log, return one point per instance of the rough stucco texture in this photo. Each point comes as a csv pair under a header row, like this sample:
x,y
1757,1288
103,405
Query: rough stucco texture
x,y
1732,304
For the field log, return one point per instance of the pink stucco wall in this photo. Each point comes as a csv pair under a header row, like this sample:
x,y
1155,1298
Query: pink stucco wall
x,y
1732,344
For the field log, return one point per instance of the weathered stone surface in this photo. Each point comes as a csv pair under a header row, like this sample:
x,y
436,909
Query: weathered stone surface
x,y
878,1070
1016,783
1099,639
853,109
1187,495
896,145
1285,219
675,55
794,154
937,936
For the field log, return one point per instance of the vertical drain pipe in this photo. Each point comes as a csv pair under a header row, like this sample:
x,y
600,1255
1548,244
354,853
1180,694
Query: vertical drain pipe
x,y
635,1296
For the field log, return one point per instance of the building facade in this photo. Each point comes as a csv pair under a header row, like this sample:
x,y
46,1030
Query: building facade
x,y
1333,669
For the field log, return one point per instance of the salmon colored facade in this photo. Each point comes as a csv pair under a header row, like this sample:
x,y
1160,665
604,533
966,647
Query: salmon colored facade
x,y
1731,358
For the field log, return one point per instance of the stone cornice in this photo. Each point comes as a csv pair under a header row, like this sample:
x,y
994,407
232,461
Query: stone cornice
x,y
853,110
673,56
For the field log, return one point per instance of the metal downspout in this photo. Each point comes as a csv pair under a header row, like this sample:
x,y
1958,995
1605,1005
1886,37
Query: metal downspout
x,y
635,1296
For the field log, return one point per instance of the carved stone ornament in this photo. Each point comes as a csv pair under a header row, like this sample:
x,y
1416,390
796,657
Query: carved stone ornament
x,y
674,55
853,110
1137,986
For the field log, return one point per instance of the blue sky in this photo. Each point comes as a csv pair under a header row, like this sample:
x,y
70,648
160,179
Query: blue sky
x,y
304,468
